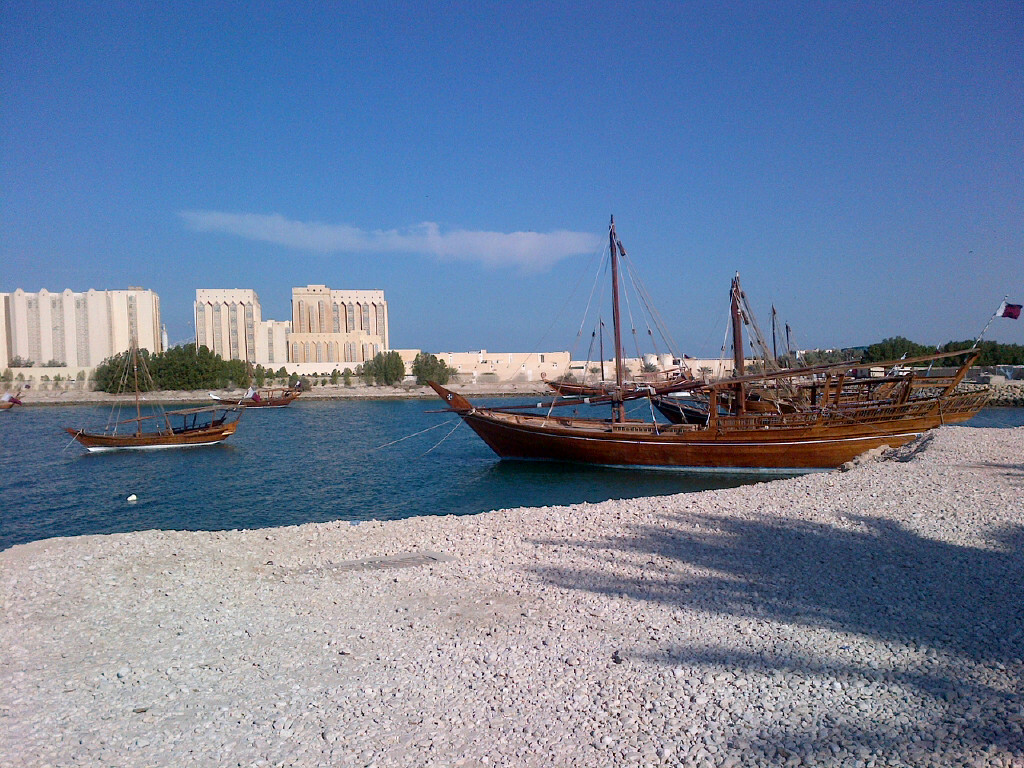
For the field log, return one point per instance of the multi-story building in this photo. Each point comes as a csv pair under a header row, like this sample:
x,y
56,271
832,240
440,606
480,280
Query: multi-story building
x,y
229,322
335,327
77,330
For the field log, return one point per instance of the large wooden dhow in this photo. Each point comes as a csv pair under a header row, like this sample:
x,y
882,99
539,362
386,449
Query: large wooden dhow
x,y
793,435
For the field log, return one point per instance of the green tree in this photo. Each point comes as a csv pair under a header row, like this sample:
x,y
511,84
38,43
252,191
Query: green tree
x,y
385,369
347,377
893,349
20,362
334,376
426,367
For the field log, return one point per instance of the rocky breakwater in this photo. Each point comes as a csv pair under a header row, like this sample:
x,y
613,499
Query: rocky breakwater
x,y
873,617
1010,393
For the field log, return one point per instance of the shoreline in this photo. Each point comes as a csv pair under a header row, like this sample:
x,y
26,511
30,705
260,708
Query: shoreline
x,y
1008,394
836,618
329,392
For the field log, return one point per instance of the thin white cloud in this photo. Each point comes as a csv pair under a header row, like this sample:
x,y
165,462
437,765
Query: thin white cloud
x,y
534,251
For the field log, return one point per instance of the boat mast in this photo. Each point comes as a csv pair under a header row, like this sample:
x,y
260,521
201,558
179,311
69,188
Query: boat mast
x,y
737,340
600,343
775,349
135,371
618,407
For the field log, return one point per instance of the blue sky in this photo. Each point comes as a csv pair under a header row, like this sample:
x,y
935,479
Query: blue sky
x,y
861,165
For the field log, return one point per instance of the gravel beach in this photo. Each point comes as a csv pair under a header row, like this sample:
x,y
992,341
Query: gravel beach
x,y
868,617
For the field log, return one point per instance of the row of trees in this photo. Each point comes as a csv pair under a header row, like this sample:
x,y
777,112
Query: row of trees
x,y
387,368
992,353
187,367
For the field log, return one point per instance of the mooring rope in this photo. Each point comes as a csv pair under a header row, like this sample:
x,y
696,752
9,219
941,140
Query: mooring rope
x,y
393,442
73,438
459,424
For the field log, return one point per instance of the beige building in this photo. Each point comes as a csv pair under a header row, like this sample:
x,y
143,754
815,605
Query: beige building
x,y
230,323
484,366
77,330
332,327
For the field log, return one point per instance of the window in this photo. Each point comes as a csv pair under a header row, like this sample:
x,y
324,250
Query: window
x,y
218,333
233,332
350,324
336,317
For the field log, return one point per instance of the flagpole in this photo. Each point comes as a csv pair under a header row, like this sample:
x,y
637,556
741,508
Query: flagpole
x,y
994,316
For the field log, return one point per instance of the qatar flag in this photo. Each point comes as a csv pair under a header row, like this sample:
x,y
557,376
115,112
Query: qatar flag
x,y
1010,310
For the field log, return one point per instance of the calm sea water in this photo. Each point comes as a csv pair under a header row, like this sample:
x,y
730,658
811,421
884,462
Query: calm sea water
x,y
310,462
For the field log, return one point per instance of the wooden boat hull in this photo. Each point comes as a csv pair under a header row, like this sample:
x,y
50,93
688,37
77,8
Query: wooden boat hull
x,y
6,406
801,441
680,411
212,435
270,402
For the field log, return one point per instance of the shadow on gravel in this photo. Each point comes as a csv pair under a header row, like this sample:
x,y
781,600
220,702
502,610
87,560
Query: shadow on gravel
x,y
953,615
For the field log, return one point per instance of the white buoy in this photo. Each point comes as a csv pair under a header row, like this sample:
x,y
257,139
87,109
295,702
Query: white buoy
x,y
133,497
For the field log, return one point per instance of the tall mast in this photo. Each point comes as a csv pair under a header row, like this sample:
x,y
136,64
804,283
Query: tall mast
x,y
618,407
737,341
737,326
135,371
775,349
600,343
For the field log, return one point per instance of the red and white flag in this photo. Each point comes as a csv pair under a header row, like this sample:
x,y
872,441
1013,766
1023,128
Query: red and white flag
x,y
1009,310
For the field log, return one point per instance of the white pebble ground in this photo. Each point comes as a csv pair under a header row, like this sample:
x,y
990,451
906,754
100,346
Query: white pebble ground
x,y
872,617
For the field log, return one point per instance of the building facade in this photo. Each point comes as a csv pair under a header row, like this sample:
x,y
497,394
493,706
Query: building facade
x,y
334,327
229,322
77,330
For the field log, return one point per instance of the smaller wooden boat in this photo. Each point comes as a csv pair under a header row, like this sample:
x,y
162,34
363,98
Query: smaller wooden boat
x,y
180,428
267,397
183,428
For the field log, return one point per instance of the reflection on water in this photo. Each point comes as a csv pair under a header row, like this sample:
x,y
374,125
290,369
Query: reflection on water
x,y
310,462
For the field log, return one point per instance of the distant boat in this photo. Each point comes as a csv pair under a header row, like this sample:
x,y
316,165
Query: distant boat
x,y
10,399
180,428
743,429
267,397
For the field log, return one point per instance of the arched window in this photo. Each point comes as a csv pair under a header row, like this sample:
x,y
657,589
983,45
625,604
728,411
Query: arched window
x,y
301,316
350,318
322,324
305,357
295,352
336,318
